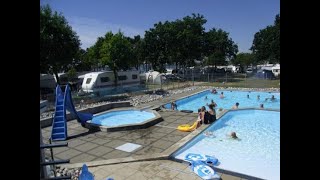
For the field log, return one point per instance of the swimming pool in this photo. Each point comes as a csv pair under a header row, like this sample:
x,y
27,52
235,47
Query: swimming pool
x,y
231,97
257,153
124,117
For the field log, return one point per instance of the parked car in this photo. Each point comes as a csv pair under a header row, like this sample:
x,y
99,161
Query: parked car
x,y
249,71
173,77
222,70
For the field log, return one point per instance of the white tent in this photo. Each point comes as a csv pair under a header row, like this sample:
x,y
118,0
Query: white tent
x,y
153,77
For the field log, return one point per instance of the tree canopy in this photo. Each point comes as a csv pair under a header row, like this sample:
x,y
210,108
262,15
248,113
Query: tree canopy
x,y
116,52
266,43
178,42
59,44
244,59
218,47
184,40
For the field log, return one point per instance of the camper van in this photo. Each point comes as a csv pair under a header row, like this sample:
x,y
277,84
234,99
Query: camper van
x,y
104,80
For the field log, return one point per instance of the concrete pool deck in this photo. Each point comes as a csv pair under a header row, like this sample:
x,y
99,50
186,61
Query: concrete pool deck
x,y
98,149
151,161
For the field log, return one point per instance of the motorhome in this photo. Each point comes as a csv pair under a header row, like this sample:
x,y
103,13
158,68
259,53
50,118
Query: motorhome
x,y
104,80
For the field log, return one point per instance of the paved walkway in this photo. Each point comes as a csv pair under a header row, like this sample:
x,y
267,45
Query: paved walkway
x,y
86,146
151,170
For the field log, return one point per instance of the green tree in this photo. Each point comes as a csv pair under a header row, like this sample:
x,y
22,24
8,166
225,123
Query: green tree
x,y
84,63
218,47
94,55
266,43
59,44
178,42
151,48
136,45
244,59
72,74
190,39
116,52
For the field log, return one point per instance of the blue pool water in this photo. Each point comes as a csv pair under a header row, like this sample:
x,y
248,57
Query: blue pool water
x,y
231,98
119,118
256,153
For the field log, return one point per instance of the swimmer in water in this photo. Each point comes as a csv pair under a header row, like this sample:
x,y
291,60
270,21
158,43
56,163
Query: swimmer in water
x,y
209,134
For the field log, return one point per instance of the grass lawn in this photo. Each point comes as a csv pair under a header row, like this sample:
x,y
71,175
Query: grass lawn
x,y
246,83
234,82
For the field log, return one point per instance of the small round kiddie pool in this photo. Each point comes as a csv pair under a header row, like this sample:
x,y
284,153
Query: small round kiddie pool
x,y
117,120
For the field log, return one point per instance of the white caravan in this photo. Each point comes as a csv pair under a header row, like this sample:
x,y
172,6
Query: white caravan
x,y
104,80
49,80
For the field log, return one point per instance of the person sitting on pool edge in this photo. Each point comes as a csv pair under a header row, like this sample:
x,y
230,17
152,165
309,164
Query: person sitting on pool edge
x,y
200,118
211,114
236,106
203,113
174,106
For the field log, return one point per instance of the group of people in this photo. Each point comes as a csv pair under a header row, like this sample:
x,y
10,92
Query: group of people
x,y
213,105
207,117
272,98
214,91
236,106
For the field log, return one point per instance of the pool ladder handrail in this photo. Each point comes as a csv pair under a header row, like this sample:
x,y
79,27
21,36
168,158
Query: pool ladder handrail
x,y
54,162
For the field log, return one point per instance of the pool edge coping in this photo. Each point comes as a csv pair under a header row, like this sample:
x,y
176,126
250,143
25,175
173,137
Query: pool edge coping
x,y
191,136
152,121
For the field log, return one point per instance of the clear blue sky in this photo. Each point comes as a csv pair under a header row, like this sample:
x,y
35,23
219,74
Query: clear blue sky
x,y
93,18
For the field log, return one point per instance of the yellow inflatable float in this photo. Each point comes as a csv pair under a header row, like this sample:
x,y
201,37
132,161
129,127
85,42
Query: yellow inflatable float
x,y
188,127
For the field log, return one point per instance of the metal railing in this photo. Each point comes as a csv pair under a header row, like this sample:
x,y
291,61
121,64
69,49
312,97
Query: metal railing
x,y
52,162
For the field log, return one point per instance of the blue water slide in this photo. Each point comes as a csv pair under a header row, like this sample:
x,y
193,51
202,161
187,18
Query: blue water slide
x,y
59,123
81,117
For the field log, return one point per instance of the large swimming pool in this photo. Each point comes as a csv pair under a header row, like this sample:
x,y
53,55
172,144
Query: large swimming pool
x,y
257,153
120,118
231,97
